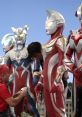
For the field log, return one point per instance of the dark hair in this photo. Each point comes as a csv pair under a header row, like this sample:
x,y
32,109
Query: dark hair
x,y
33,48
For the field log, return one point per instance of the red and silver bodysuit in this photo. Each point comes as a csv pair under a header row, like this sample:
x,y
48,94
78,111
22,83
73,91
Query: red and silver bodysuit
x,y
52,82
20,61
74,50
53,68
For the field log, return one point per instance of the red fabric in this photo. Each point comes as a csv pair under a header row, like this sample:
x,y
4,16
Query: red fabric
x,y
0,79
78,77
4,94
58,89
20,82
52,112
69,53
4,69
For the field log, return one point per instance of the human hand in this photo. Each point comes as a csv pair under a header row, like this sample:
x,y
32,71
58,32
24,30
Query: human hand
x,y
23,91
24,88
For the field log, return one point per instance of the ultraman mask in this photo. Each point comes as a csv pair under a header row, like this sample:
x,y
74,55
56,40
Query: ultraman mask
x,y
8,42
50,26
53,21
79,13
20,35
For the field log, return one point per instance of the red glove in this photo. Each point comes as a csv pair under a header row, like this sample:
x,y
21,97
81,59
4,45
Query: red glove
x,y
38,89
53,88
78,75
57,87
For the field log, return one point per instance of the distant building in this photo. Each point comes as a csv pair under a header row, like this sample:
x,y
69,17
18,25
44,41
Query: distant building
x,y
41,106
68,100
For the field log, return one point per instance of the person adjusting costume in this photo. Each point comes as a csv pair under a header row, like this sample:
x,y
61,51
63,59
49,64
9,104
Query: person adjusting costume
x,y
6,98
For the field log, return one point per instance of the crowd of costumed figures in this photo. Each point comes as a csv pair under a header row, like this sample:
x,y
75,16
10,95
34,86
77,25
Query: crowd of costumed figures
x,y
35,75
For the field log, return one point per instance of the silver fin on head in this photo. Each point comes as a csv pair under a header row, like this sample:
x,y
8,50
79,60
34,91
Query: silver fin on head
x,y
56,16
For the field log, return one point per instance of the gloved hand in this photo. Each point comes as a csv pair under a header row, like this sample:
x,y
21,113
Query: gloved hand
x,y
38,89
53,88
57,87
77,75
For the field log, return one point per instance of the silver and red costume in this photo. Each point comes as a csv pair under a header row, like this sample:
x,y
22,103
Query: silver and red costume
x,y
20,61
74,51
53,85
53,68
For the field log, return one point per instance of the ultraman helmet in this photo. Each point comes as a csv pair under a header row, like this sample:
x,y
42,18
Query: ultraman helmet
x,y
53,21
79,13
8,42
20,34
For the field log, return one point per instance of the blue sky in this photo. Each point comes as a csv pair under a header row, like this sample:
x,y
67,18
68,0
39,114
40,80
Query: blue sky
x,y
18,13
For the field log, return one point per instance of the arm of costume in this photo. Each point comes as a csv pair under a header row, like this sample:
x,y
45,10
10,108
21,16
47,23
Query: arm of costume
x,y
60,67
39,85
68,55
60,49
68,60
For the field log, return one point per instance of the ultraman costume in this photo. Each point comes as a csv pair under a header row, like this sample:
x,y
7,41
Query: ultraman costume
x,y
74,49
53,68
7,43
19,60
